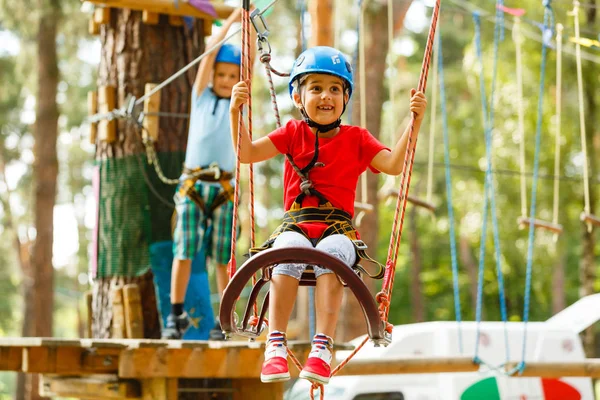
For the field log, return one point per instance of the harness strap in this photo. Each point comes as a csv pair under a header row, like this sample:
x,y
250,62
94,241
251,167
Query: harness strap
x,y
211,174
338,221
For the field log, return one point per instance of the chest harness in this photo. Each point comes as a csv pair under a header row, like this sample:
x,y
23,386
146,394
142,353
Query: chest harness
x,y
337,220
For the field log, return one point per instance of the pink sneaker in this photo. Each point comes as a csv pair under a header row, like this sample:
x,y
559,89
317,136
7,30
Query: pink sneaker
x,y
316,370
275,369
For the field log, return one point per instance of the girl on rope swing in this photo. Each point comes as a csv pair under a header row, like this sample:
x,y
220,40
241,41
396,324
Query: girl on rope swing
x,y
324,162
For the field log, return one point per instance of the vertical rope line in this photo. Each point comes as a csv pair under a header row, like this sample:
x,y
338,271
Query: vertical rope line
x,y
391,94
248,76
586,182
363,91
454,258
559,30
548,22
432,122
518,39
409,157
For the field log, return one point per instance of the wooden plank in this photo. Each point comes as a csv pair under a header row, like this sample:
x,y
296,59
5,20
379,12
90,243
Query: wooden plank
x,y
134,318
11,358
168,7
70,360
92,106
90,388
254,389
588,368
93,27
151,105
102,15
541,224
175,20
207,27
413,365
107,130
118,330
193,363
150,18
159,389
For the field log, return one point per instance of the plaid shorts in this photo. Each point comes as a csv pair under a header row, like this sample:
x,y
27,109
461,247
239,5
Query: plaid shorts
x,y
193,230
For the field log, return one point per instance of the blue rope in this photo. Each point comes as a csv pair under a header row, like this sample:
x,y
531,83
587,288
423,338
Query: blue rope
x,y
548,23
489,190
457,309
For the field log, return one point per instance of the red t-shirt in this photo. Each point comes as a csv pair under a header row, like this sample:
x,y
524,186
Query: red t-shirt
x,y
346,156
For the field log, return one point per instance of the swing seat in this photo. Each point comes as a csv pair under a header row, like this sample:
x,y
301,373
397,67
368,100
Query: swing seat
x,y
541,224
589,219
265,261
411,199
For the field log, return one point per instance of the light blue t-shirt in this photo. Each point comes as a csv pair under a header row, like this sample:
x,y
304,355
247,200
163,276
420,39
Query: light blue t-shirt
x,y
209,138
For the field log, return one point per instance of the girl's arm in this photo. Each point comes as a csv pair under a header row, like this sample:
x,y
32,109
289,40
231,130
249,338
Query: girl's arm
x,y
250,151
391,162
208,62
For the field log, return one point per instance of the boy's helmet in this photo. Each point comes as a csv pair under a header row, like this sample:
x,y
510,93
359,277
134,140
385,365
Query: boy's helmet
x,y
229,53
322,60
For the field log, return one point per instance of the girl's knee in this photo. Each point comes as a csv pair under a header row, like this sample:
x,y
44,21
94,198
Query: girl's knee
x,y
291,239
339,246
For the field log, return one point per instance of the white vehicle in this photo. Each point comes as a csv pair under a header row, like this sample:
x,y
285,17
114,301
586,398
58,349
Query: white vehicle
x,y
556,339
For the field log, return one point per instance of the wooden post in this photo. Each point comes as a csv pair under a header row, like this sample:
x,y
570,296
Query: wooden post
x,y
134,318
150,18
159,389
109,387
92,102
151,105
107,130
321,16
93,27
102,15
118,319
207,25
254,389
88,303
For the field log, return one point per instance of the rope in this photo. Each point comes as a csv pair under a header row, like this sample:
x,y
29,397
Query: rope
x,y
432,122
302,5
548,22
517,38
391,94
586,183
363,101
454,258
557,134
489,190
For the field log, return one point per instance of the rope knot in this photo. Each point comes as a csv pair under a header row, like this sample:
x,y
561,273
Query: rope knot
x,y
383,299
305,186
265,58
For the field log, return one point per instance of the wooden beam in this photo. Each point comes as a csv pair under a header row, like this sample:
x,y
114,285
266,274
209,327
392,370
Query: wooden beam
x,y
207,27
11,358
107,130
92,104
90,388
538,223
254,389
589,219
321,13
411,199
150,18
414,365
89,297
118,330
168,7
70,360
151,105
134,318
102,15
588,368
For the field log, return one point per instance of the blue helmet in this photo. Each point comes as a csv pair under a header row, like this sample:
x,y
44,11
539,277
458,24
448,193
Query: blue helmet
x,y
322,60
229,53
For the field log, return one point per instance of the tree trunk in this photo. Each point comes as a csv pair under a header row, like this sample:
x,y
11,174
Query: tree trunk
x,y
466,258
322,27
135,206
588,265
376,49
416,294
45,171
